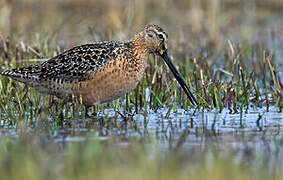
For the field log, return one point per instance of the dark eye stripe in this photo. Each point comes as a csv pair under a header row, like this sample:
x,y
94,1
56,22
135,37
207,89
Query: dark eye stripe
x,y
161,36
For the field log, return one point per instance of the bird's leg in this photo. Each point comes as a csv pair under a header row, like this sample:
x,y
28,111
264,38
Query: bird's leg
x,y
56,105
94,113
86,111
50,101
95,110
73,105
64,105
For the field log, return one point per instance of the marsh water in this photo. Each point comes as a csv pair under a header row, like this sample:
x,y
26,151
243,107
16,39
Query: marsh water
x,y
190,129
247,135
196,125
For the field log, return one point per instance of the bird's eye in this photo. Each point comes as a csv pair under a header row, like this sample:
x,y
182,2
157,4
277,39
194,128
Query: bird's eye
x,y
160,36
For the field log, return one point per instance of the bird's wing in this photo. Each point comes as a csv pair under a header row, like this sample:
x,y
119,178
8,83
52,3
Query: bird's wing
x,y
72,65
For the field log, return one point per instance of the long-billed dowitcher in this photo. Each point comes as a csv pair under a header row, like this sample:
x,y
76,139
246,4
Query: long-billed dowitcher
x,y
99,72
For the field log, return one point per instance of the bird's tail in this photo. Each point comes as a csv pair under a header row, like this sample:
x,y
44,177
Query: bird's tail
x,y
20,74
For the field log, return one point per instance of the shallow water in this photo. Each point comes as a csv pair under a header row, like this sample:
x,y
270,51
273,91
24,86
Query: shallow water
x,y
256,121
197,126
256,133
193,134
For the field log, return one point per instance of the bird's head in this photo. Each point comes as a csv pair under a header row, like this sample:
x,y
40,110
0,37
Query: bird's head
x,y
153,38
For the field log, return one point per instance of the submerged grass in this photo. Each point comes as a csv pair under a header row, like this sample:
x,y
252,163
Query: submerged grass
x,y
235,85
35,154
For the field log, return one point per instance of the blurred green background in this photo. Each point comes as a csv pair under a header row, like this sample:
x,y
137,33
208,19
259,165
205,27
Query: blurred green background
x,y
193,25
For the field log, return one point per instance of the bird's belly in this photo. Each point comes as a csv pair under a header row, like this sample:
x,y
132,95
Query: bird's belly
x,y
105,86
113,90
106,90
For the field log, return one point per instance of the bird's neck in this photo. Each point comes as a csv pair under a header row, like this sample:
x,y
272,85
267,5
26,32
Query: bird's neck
x,y
140,55
139,45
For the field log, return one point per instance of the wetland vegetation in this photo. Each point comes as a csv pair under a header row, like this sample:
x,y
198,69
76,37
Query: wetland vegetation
x,y
230,53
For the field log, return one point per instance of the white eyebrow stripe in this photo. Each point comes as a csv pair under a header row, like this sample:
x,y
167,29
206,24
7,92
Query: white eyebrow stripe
x,y
163,34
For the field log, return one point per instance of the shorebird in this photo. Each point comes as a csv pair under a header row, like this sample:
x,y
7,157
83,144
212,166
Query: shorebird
x,y
99,72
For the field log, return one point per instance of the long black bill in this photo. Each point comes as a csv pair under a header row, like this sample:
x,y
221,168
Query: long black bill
x,y
179,78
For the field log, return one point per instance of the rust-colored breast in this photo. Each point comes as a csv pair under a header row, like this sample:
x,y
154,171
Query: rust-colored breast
x,y
110,82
